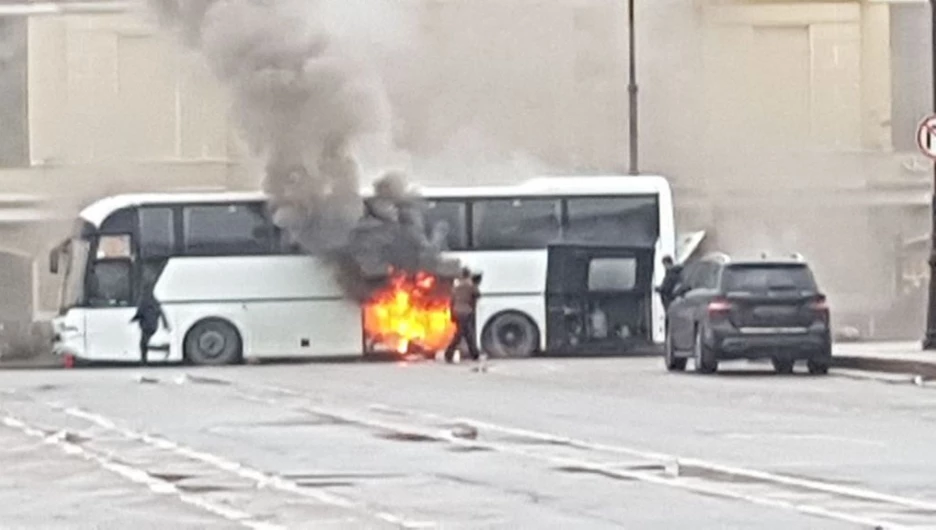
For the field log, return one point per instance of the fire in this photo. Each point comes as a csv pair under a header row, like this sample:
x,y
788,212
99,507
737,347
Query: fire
x,y
410,312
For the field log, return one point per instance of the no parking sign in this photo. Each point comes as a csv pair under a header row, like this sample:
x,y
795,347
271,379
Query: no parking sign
x,y
926,137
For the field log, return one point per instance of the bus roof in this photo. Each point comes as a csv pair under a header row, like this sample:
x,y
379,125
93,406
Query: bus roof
x,y
99,210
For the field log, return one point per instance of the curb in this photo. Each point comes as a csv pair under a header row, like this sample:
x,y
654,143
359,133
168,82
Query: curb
x,y
924,369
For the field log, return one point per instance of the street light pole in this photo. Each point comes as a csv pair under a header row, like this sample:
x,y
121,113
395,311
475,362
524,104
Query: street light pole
x,y
929,342
632,88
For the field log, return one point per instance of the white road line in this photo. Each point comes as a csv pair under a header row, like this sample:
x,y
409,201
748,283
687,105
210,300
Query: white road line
x,y
675,482
262,479
138,476
848,491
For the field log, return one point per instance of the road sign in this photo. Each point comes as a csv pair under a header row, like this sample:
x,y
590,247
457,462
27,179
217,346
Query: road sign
x,y
926,137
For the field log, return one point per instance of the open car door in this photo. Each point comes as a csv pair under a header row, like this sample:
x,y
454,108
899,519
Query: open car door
x,y
598,298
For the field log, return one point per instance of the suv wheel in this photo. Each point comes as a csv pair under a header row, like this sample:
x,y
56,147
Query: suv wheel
x,y
818,367
783,366
673,363
706,362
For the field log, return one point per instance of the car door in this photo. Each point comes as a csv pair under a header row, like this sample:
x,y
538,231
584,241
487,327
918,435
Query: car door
x,y
701,284
704,290
678,315
109,334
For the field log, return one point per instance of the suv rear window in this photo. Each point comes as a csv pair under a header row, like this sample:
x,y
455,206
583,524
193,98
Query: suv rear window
x,y
768,277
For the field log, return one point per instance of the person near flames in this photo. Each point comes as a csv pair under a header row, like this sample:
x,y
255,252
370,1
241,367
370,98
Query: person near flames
x,y
670,281
465,294
148,315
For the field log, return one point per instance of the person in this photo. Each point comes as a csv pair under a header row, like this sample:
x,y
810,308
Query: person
x,y
148,315
465,294
670,281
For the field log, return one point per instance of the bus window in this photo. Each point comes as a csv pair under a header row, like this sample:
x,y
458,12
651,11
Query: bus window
x,y
157,232
229,229
612,274
446,224
122,221
613,220
77,252
116,246
110,283
515,223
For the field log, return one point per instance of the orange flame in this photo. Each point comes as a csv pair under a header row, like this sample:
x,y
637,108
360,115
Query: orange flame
x,y
410,311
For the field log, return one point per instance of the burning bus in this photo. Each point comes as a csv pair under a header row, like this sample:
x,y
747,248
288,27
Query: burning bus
x,y
569,264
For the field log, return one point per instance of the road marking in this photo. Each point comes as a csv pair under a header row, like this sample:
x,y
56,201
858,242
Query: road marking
x,y
808,437
137,476
694,485
694,462
262,479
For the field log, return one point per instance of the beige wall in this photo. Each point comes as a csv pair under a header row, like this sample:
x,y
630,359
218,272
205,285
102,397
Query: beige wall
x,y
749,96
104,88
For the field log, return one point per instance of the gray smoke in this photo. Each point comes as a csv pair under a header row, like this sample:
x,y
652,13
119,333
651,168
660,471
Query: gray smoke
x,y
303,98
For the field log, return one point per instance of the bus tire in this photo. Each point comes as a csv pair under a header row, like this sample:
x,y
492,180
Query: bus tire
x,y
213,342
510,335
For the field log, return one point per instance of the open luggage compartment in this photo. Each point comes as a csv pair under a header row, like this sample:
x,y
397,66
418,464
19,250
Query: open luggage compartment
x,y
598,299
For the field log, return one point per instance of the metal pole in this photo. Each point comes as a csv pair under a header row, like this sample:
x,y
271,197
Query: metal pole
x,y
929,342
632,89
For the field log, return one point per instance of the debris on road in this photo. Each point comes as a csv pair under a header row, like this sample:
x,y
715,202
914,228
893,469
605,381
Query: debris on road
x,y
142,379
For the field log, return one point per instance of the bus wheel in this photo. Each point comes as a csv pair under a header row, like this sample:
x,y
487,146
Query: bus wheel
x,y
510,335
213,342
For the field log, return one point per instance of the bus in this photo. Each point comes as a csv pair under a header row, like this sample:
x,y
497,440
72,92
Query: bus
x,y
568,264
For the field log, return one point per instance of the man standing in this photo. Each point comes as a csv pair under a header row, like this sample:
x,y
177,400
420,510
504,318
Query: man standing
x,y
465,296
148,315
667,288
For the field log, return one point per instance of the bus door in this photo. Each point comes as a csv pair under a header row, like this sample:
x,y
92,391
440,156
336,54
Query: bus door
x,y
598,298
109,334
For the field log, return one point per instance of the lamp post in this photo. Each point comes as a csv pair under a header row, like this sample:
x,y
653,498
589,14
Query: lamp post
x,y
929,342
632,89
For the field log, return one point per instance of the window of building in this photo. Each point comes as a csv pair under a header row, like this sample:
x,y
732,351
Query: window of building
x,y
613,220
515,223
157,231
14,125
447,224
911,72
228,229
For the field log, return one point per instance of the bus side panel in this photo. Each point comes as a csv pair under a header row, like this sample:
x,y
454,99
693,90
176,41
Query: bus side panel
x,y
283,306
320,328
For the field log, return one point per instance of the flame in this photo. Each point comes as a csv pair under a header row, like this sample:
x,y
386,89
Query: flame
x,y
410,312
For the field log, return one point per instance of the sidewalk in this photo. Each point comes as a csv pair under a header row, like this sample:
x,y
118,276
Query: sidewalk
x,y
891,357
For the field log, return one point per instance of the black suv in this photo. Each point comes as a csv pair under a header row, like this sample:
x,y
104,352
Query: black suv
x,y
757,309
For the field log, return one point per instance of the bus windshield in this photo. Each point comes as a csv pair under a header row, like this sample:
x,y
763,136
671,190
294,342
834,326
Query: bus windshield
x,y
76,254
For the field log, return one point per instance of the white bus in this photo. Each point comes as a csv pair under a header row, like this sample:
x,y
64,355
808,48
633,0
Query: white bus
x,y
569,266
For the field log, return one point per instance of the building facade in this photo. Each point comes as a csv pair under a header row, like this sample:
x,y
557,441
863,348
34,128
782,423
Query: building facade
x,y
784,125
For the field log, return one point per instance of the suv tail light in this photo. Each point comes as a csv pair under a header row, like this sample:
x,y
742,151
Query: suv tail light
x,y
719,307
820,307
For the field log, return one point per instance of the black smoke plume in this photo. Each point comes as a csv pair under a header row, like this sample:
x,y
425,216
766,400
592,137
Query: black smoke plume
x,y
303,99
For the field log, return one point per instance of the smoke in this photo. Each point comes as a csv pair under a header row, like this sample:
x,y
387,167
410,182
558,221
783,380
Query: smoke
x,y
306,98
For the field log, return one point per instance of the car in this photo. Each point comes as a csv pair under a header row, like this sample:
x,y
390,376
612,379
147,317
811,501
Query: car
x,y
751,309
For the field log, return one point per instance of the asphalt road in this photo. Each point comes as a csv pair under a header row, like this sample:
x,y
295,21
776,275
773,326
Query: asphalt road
x,y
600,443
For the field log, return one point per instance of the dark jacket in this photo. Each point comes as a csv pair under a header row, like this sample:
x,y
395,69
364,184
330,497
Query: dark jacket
x,y
465,296
149,313
670,281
